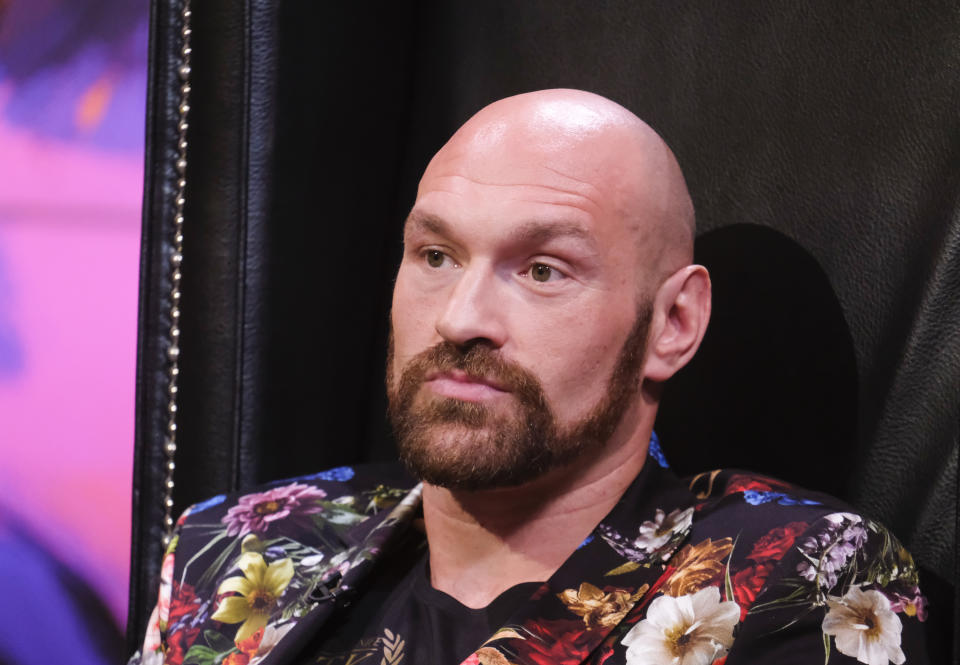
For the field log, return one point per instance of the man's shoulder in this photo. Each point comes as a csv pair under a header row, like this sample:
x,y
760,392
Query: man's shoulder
x,y
241,558
313,521
365,488
762,519
733,499
790,557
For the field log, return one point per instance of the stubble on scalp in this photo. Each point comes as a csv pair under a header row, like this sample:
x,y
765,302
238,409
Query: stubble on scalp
x,y
467,446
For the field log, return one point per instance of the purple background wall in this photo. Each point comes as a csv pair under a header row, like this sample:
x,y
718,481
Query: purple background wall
x,y
72,97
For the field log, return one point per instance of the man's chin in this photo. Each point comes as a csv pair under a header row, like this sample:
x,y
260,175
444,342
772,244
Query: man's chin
x,y
443,410
454,439
459,457
468,480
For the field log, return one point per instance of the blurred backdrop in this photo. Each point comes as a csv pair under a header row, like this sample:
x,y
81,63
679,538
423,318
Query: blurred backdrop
x,y
72,99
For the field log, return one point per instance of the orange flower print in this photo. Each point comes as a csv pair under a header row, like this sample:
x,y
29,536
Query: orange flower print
x,y
236,659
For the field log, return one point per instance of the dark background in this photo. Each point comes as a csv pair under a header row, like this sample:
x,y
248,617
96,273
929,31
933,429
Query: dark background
x,y
820,143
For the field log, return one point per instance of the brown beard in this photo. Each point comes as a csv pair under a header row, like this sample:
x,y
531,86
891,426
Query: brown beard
x,y
465,445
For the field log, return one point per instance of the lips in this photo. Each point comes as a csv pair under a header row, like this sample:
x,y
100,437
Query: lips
x,y
457,384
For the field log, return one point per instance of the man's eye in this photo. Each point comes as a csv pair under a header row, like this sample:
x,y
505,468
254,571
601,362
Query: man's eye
x,y
435,258
544,273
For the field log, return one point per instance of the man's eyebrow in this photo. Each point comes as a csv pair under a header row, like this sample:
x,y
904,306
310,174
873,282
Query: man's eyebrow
x,y
542,231
426,223
529,232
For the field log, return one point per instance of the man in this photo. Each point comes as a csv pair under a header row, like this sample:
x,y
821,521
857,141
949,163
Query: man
x,y
546,292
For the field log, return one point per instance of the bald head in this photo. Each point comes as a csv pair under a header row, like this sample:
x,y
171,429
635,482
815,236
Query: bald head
x,y
590,145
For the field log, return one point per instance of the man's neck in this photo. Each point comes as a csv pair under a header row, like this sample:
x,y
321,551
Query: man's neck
x,y
484,542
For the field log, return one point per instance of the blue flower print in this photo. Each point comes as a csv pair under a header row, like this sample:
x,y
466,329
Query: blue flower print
x,y
655,451
209,503
340,474
757,497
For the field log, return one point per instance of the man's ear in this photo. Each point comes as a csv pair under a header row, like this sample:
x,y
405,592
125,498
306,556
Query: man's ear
x,y
681,311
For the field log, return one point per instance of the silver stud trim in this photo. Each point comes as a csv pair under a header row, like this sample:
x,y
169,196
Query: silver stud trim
x,y
176,258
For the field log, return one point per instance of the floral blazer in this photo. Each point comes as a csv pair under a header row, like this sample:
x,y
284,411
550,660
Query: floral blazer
x,y
724,567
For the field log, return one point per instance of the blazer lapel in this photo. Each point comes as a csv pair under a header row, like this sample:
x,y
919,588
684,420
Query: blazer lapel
x,y
613,574
368,541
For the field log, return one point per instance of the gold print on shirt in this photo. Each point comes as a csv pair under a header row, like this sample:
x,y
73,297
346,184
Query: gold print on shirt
x,y
389,647
392,648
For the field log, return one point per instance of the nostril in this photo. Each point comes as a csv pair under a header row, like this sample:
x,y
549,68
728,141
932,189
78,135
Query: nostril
x,y
478,342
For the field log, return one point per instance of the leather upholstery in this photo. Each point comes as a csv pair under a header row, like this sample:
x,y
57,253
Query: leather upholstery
x,y
833,125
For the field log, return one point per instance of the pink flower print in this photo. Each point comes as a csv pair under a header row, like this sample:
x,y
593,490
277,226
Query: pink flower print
x,y
255,512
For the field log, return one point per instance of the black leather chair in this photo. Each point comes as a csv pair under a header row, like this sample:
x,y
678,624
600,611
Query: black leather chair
x,y
825,136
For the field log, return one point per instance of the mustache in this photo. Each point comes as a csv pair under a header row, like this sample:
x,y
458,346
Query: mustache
x,y
477,360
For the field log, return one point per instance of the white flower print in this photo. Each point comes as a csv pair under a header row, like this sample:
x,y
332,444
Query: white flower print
x,y
655,534
864,627
152,653
311,561
695,629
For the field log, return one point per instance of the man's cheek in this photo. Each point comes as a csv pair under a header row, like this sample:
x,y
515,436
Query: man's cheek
x,y
397,364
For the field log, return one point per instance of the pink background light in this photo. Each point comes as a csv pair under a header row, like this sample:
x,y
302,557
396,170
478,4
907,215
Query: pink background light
x,y
71,179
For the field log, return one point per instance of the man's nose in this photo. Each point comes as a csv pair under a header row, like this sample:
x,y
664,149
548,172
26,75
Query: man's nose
x,y
472,312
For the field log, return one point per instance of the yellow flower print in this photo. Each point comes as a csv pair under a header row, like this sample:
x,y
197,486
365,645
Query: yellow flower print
x,y
251,543
258,591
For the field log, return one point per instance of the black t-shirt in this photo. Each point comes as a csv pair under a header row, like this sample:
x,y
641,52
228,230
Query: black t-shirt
x,y
401,618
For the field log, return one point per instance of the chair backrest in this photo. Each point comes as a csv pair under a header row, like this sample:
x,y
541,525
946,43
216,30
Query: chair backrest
x,y
834,127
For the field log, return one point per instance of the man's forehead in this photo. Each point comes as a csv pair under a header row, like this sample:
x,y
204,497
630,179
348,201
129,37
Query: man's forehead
x,y
521,196
533,179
